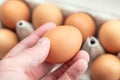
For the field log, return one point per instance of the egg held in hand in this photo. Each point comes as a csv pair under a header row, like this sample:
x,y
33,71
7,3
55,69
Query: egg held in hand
x,y
65,43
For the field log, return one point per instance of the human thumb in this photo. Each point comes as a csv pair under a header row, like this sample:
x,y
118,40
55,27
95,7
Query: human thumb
x,y
35,55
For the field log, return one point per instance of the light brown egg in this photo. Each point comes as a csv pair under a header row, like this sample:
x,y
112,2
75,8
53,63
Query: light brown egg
x,y
105,67
109,36
84,22
8,39
46,12
65,43
13,11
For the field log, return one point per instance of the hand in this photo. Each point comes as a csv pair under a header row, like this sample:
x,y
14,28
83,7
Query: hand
x,y
26,61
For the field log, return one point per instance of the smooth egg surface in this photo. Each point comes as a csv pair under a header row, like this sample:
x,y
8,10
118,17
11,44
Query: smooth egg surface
x,y
106,67
46,12
65,43
13,11
109,36
84,22
8,39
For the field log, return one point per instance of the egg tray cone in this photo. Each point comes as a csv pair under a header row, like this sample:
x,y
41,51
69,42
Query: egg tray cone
x,y
23,29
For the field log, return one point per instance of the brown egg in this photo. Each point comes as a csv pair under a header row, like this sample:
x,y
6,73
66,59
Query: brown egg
x,y
84,22
105,67
46,13
8,39
109,36
65,43
13,11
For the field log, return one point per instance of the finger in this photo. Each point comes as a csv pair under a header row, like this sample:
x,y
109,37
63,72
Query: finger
x,y
72,73
75,71
31,40
80,55
35,55
31,60
38,72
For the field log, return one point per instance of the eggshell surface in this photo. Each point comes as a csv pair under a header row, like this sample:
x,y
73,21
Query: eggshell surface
x,y
46,12
13,11
84,22
65,43
106,67
109,36
8,39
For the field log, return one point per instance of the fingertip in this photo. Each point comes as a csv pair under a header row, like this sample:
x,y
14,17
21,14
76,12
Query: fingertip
x,y
41,30
84,55
44,42
44,39
76,70
49,25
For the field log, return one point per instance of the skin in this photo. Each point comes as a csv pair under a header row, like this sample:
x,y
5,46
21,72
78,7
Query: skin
x,y
26,61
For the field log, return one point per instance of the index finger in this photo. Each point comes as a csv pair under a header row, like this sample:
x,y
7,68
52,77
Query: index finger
x,y
31,40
